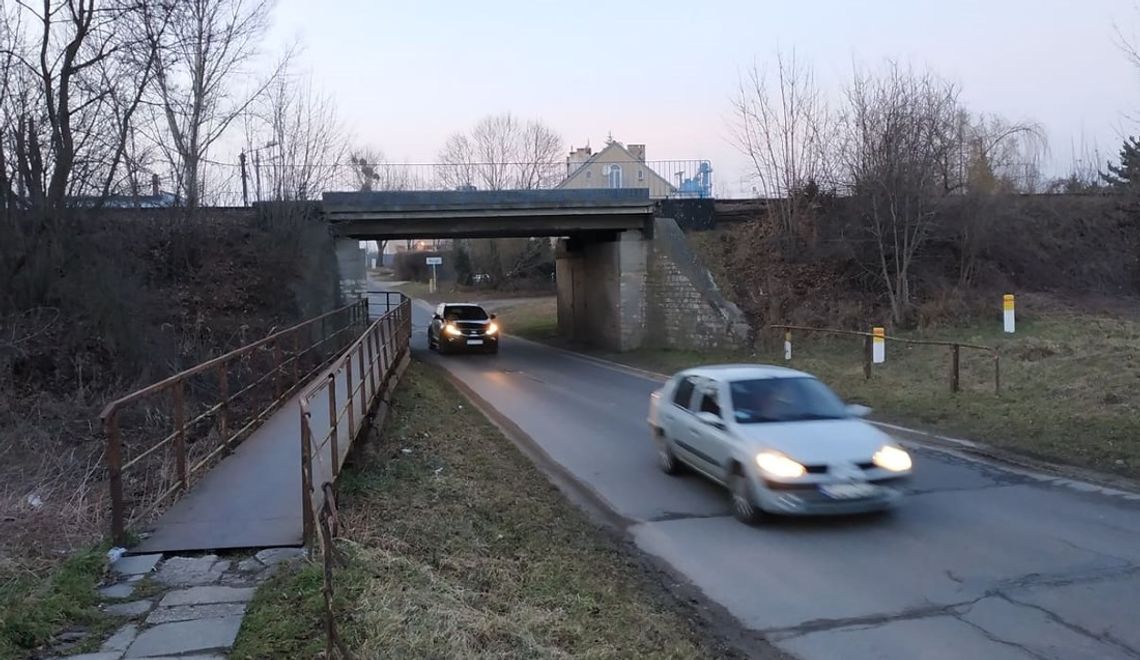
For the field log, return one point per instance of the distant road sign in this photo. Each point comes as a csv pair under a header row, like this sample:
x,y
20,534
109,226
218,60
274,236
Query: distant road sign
x,y
434,261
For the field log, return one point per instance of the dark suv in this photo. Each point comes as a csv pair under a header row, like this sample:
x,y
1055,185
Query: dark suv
x,y
461,327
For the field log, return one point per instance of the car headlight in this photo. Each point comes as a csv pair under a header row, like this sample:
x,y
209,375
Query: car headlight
x,y
779,465
452,330
492,328
892,458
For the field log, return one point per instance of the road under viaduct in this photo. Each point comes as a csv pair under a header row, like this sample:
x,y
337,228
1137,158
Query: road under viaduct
x,y
626,277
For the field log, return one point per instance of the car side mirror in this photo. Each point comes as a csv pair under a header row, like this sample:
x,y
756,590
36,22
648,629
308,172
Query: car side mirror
x,y
711,419
436,317
856,410
494,316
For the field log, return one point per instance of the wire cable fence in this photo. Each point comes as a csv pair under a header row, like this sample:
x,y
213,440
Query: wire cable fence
x,y
260,178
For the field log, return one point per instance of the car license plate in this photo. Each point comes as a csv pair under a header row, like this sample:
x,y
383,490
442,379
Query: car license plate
x,y
847,491
474,342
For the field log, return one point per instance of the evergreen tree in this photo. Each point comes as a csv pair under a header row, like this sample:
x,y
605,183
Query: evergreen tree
x,y
1127,173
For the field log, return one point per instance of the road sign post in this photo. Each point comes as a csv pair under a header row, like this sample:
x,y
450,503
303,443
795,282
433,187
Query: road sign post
x,y
433,262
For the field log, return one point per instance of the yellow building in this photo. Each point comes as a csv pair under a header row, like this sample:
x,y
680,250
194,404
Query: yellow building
x,y
616,166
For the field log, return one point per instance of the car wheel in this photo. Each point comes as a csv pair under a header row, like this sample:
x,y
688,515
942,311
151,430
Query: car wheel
x,y
494,350
743,506
666,459
431,343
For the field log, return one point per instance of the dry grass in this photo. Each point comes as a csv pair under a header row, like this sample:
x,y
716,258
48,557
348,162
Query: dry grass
x,y
533,319
460,548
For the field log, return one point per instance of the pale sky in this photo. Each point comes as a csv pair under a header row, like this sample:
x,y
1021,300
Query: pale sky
x,y
405,75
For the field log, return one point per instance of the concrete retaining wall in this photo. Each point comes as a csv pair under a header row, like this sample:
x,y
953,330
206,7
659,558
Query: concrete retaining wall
x,y
684,307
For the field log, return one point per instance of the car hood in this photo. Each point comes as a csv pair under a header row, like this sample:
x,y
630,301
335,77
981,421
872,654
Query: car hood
x,y
817,442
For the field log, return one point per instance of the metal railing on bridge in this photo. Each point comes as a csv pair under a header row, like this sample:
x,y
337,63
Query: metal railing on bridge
x,y
357,389
202,413
335,409
270,181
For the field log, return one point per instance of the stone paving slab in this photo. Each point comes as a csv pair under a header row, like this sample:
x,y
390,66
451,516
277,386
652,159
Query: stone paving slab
x,y
196,613
121,640
185,637
186,571
131,609
189,612
136,564
207,595
274,556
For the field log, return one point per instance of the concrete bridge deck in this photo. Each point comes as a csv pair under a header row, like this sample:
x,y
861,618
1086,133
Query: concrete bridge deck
x,y
486,213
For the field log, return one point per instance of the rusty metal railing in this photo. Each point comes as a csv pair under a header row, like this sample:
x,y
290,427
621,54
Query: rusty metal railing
x,y
337,408
203,412
868,348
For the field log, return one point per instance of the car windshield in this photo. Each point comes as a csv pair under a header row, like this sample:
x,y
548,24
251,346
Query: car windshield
x,y
784,400
465,313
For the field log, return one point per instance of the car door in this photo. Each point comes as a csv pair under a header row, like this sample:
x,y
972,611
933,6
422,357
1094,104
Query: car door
x,y
711,441
676,418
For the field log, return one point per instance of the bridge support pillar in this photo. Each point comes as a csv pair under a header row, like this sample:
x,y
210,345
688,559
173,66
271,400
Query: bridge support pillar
x,y
634,289
352,269
601,289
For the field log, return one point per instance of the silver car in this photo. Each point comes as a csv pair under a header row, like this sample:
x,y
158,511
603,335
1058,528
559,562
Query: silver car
x,y
780,440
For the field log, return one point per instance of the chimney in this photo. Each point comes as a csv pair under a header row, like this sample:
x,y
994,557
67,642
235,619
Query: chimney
x,y
576,158
638,151
154,191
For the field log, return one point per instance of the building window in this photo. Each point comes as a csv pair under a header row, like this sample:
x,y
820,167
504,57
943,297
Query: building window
x,y
587,174
641,175
615,176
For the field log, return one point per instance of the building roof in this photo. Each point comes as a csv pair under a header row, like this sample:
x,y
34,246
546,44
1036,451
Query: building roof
x,y
614,144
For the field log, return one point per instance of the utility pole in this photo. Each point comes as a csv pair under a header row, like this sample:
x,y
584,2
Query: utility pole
x,y
244,180
257,173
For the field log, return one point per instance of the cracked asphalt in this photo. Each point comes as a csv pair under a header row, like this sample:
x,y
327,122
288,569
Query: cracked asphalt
x,y
980,562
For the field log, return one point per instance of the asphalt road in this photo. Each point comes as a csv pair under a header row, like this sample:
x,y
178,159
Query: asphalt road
x,y
980,562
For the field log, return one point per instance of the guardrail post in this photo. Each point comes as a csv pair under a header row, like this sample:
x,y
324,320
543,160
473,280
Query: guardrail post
x,y
224,411
180,436
384,354
955,371
115,477
333,449
349,404
370,340
868,356
306,477
363,379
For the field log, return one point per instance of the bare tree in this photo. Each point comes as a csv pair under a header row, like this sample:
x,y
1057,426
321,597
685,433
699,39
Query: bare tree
x,y
73,81
898,131
781,126
500,153
308,136
202,60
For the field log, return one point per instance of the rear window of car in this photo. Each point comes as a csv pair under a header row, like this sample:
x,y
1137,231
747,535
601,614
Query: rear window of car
x,y
464,313
683,395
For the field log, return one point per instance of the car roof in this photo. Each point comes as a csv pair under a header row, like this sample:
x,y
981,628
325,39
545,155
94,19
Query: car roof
x,y
731,372
463,305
